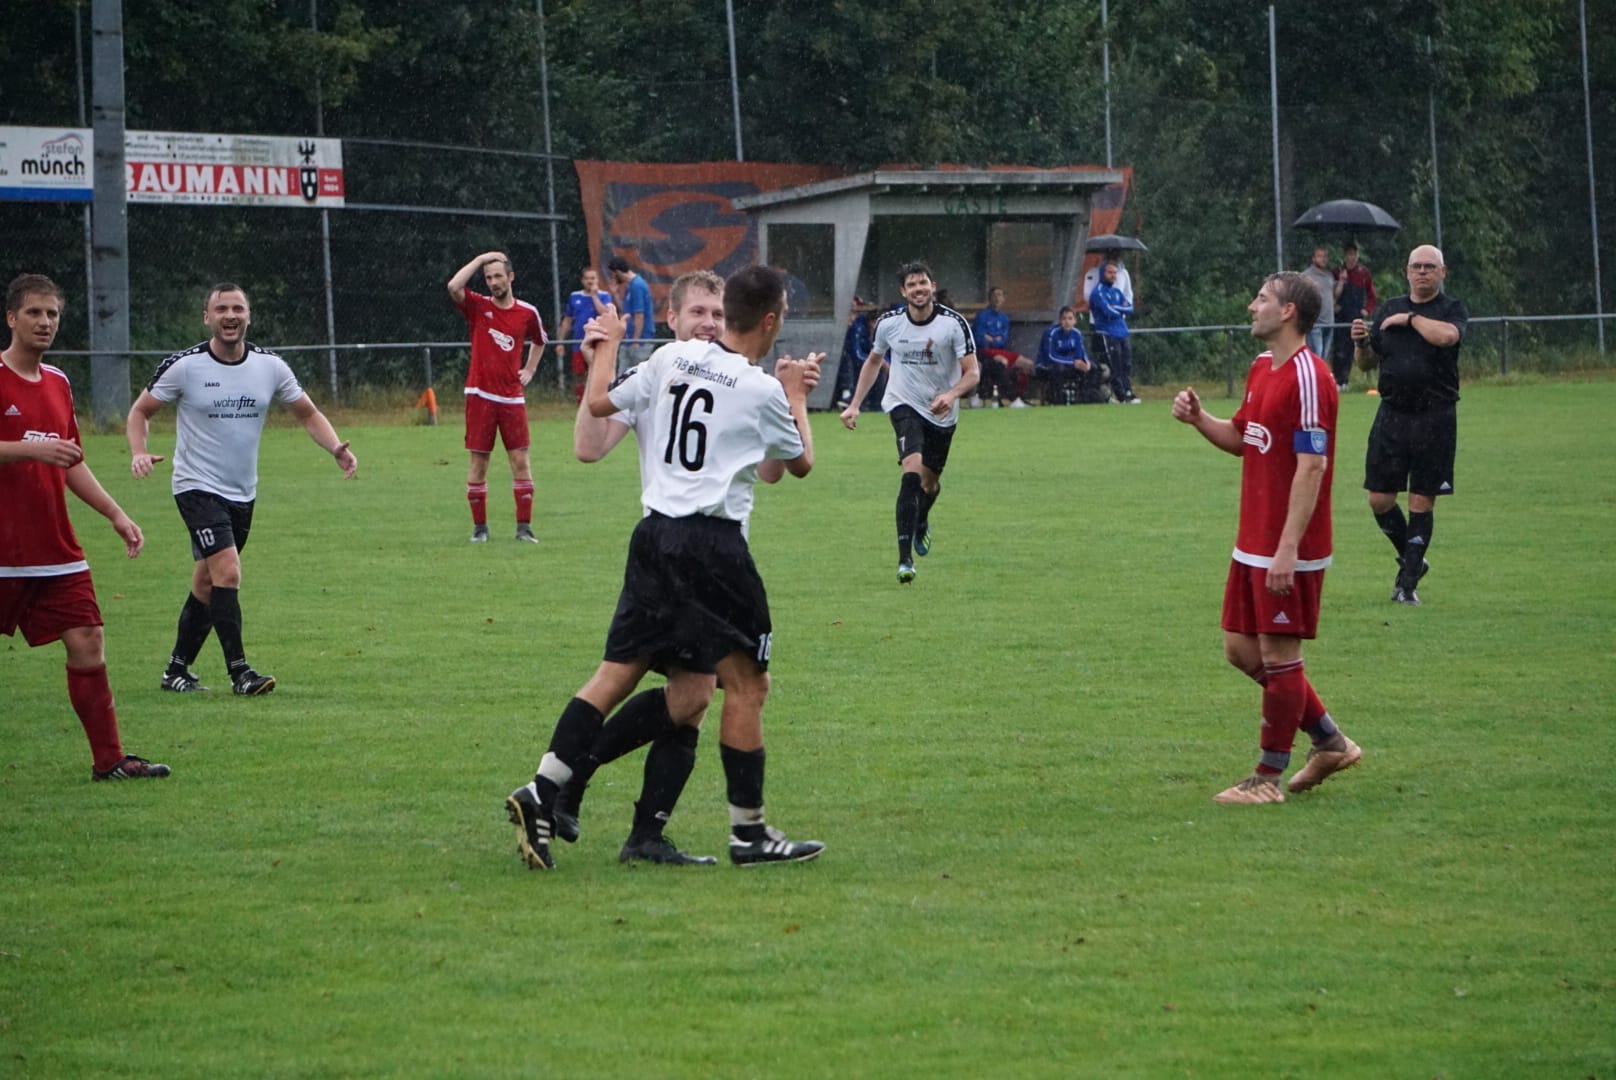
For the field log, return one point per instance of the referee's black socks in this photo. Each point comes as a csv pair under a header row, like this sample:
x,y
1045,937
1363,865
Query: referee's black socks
x,y
1395,527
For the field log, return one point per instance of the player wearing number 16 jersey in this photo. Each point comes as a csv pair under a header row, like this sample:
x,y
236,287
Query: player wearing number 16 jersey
x,y
692,599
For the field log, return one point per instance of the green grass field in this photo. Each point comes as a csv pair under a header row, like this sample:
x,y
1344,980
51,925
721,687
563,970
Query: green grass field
x,y
1011,762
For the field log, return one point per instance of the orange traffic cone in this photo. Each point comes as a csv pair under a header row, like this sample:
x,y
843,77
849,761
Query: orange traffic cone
x,y
429,399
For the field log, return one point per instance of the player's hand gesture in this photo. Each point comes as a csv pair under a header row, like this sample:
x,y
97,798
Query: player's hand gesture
x,y
141,464
1187,405
942,403
62,453
492,256
346,459
798,377
850,415
133,539
608,326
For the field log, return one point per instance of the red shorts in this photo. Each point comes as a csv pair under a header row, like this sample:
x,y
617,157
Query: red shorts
x,y
484,418
1249,608
580,366
43,607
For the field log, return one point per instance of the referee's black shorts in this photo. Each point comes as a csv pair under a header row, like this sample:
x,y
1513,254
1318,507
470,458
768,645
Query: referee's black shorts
x,y
1412,450
691,596
916,434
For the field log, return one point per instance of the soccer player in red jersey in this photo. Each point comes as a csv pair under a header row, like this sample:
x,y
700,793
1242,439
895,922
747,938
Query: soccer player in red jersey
x,y
1284,434
45,587
499,323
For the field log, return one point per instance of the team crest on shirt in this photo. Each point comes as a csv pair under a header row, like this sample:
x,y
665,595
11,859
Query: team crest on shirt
x,y
1260,437
37,436
505,342
928,355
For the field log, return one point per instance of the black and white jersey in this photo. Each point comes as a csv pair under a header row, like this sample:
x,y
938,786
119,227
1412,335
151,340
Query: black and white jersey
x,y
705,418
220,410
925,358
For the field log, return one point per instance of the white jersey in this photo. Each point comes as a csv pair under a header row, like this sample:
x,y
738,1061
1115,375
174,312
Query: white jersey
x,y
925,358
220,414
705,417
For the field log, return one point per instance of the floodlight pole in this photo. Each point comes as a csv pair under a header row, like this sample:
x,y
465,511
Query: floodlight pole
x,y
734,79
1593,197
549,186
109,224
1105,68
1430,108
325,224
1273,124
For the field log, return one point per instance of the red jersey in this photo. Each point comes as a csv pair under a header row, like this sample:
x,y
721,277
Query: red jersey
x,y
497,337
36,536
1288,410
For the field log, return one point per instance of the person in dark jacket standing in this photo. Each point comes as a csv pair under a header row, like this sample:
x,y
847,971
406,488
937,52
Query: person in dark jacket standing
x,y
1415,342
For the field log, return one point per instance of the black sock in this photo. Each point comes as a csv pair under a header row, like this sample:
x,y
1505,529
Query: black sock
x,y
641,719
908,515
1395,528
224,608
194,627
575,732
667,769
743,780
927,500
1416,550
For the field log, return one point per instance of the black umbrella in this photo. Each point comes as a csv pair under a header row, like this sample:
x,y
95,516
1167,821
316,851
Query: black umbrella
x,y
1349,215
1113,242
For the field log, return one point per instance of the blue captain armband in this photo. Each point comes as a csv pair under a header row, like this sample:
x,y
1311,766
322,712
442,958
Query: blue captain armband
x,y
1311,441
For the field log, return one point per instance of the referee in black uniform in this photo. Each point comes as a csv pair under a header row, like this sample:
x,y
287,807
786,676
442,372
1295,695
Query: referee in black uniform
x,y
1415,343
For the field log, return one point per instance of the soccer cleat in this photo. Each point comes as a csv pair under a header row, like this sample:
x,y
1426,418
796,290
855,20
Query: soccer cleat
x,y
661,850
524,533
1323,764
1253,790
564,815
251,684
132,768
1019,404
479,534
923,540
906,573
1400,595
774,847
181,682
533,827
1131,400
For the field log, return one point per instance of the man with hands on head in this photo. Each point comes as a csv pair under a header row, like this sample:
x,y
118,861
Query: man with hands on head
x,y
495,403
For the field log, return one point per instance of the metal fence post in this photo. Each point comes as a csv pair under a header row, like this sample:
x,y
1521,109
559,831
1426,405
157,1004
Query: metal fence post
x,y
1503,353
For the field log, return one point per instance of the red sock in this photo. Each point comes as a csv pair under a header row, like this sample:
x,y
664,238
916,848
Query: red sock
x,y
91,695
1284,699
477,496
523,490
1313,711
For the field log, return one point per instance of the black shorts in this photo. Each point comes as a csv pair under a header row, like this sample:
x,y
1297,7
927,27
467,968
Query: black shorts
x,y
691,596
915,432
1412,450
214,523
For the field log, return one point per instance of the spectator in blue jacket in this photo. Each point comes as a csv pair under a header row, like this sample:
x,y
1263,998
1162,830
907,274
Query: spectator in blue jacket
x,y
1109,309
1062,361
856,344
1004,370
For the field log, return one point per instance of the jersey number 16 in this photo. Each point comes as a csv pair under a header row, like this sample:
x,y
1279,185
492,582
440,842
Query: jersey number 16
x,y
684,428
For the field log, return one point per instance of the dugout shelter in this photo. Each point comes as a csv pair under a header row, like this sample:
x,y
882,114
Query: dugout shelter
x,y
1023,230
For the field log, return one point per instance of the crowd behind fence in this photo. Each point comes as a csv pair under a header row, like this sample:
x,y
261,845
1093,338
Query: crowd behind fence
x,y
365,375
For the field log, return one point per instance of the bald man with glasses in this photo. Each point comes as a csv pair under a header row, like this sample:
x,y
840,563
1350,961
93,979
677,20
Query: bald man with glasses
x,y
1415,343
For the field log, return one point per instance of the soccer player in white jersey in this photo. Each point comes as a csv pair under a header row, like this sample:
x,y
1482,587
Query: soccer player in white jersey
x,y
45,586
667,717
692,599
222,390
933,359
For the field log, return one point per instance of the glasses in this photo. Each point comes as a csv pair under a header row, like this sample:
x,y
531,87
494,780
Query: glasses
x,y
1424,268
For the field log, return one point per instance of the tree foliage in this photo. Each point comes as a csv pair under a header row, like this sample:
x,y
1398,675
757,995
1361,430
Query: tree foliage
x,y
860,83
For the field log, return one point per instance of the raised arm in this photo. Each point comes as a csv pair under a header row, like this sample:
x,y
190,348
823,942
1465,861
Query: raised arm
x,y
462,277
797,377
1222,434
602,336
